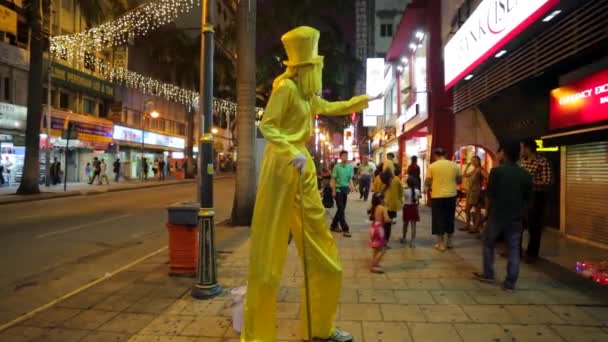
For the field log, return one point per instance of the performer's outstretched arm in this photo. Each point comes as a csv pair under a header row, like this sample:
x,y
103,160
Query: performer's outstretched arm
x,y
355,104
277,104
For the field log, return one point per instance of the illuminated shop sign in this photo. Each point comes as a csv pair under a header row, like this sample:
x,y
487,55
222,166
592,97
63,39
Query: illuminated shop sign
x,y
492,25
580,103
375,85
150,138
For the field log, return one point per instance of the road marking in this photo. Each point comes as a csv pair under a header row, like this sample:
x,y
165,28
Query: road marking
x,y
78,290
84,225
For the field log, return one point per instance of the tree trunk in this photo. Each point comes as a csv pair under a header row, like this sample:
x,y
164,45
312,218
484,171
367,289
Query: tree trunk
x,y
190,143
244,197
31,166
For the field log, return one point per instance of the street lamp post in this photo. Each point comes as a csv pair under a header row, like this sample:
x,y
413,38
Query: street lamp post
x,y
206,283
154,114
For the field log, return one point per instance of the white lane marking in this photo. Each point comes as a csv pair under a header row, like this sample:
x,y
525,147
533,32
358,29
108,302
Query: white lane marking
x,y
81,226
78,290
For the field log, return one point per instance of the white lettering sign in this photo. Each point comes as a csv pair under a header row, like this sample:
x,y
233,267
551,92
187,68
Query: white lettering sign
x,y
490,27
375,85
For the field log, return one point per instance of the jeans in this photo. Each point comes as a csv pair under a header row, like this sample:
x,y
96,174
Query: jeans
x,y
511,229
442,213
364,185
340,217
536,215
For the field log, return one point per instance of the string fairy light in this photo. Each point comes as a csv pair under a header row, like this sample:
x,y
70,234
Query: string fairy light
x,y
133,24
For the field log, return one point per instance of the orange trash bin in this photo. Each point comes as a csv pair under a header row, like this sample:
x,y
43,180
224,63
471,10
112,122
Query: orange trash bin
x,y
183,232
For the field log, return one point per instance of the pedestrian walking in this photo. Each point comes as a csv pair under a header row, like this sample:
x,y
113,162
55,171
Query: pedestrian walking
x,y
56,172
509,190
96,171
161,169
155,169
88,171
474,198
411,214
393,197
391,164
366,172
144,168
542,178
116,169
378,215
413,171
103,172
342,185
8,168
442,178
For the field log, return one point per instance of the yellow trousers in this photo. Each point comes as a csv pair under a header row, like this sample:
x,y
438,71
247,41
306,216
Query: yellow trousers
x,y
277,211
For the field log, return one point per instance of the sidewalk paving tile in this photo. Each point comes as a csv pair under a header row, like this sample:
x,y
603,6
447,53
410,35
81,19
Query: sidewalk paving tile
x,y
581,334
100,336
21,333
207,326
444,313
573,315
147,338
425,332
402,313
414,297
474,332
376,296
386,332
203,307
360,312
116,303
531,333
459,284
89,319
167,325
350,296
426,284
62,335
533,314
598,313
150,305
452,297
51,318
127,323
489,313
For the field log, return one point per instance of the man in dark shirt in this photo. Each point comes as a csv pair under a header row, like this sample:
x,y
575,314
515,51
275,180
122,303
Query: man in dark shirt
x,y
509,190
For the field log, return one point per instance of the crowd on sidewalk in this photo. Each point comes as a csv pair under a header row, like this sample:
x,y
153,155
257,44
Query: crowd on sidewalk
x,y
500,205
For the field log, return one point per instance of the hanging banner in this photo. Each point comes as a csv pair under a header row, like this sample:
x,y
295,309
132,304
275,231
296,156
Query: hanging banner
x,y
375,85
8,20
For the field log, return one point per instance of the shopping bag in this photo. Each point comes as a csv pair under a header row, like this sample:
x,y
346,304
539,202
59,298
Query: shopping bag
x,y
238,301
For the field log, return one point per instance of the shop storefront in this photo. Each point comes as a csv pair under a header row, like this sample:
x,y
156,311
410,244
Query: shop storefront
x,y
93,138
579,123
501,83
132,148
12,140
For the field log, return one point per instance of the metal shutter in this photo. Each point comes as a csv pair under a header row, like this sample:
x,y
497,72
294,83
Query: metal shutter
x,y
587,191
583,28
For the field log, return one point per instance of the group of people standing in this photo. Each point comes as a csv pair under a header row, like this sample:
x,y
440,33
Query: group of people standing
x,y
98,170
158,168
512,195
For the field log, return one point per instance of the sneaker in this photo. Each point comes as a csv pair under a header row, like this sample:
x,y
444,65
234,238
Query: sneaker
x,y
508,288
376,269
440,247
347,234
340,336
482,278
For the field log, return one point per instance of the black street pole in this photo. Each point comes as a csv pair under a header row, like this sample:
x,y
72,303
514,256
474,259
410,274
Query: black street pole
x,y
206,284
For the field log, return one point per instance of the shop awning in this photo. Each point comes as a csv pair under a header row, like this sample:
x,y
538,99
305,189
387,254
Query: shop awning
x,y
575,137
412,19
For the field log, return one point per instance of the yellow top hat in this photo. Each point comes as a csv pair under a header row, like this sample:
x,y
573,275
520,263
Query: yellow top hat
x,y
302,46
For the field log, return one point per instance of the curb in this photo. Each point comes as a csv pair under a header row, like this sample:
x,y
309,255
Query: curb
x,y
75,193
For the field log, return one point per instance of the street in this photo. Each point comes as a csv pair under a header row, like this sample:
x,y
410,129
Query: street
x,y
49,248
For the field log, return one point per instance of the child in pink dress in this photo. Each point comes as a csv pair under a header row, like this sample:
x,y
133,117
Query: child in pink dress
x,y
379,216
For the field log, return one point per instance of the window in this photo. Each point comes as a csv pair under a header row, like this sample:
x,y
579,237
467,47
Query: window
x,y
88,106
64,100
23,34
386,30
6,89
102,110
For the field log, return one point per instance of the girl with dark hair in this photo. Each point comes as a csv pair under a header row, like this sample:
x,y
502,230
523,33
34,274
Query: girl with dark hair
x,y
379,216
411,199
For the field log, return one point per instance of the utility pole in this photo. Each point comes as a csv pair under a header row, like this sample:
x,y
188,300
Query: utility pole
x,y
49,107
206,284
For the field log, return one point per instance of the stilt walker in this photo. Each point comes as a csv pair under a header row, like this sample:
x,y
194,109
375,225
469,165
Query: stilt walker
x,y
288,200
